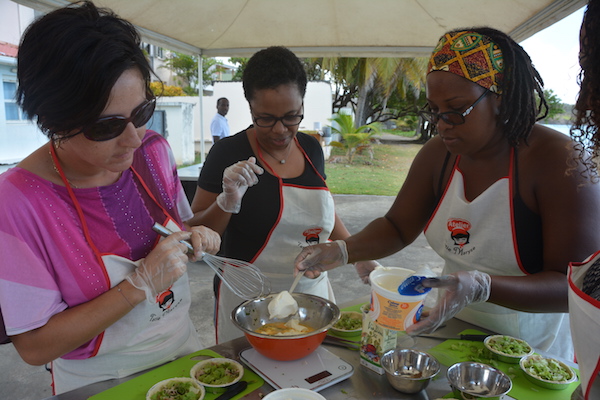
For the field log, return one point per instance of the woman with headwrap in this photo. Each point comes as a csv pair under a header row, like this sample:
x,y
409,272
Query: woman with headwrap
x,y
494,173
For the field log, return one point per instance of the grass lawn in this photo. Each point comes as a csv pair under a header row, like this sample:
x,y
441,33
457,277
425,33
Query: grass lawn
x,y
384,177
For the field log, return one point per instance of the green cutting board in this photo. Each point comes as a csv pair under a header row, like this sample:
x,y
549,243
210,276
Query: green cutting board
x,y
452,351
136,388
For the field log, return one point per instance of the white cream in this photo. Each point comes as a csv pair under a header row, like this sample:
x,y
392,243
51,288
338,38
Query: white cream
x,y
282,305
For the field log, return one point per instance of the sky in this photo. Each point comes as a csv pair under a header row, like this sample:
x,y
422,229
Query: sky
x,y
554,52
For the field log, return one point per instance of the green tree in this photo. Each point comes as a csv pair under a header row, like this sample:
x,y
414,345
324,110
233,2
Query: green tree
x,y
368,84
240,62
555,105
185,68
354,139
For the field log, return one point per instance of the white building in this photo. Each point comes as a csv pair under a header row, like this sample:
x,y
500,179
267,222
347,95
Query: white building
x,y
177,118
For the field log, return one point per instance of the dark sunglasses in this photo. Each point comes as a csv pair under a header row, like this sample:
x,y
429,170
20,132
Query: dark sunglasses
x,y
110,127
451,117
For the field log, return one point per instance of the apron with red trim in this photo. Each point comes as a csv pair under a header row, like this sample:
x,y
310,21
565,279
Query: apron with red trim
x,y
479,235
149,335
307,216
584,312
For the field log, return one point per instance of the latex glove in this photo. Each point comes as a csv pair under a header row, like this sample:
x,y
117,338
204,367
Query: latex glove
x,y
321,257
237,178
364,268
205,240
165,264
461,288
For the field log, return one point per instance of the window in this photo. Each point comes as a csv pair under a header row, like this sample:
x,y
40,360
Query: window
x,y
11,109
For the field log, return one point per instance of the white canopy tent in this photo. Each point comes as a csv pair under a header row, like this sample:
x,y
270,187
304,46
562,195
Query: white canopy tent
x,y
317,28
323,28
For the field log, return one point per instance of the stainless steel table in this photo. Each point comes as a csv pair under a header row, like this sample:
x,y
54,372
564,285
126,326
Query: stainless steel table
x,y
363,384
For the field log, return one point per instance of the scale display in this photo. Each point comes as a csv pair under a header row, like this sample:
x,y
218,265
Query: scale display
x,y
318,370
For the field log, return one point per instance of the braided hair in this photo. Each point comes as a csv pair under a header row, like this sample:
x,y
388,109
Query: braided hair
x,y
587,107
523,102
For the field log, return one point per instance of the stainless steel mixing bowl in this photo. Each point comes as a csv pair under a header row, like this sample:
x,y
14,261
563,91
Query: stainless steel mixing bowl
x,y
409,371
313,311
471,380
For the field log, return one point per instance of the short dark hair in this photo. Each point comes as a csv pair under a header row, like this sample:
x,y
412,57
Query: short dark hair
x,y
68,62
272,67
221,98
520,107
587,106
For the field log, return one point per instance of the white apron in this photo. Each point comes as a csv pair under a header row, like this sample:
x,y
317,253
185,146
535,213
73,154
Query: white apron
x,y
307,217
585,325
149,335
479,234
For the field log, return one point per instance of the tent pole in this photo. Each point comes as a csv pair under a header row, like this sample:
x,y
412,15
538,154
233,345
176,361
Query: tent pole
x,y
200,95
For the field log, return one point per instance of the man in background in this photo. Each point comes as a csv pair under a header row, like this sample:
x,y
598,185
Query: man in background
x,y
219,128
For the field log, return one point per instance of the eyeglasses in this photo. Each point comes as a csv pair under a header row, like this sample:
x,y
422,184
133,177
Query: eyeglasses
x,y
286,120
110,127
451,117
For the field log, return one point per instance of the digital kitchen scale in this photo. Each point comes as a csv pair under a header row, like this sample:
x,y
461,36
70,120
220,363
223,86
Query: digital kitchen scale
x,y
318,370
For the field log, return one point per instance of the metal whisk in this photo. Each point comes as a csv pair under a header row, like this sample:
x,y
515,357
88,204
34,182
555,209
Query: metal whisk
x,y
243,278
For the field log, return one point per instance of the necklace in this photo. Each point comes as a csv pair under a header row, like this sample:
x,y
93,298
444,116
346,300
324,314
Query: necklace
x,y
282,161
58,172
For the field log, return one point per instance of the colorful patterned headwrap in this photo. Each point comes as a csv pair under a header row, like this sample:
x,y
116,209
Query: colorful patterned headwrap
x,y
471,55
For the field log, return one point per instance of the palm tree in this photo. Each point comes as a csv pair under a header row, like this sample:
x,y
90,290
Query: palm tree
x,y
364,81
355,139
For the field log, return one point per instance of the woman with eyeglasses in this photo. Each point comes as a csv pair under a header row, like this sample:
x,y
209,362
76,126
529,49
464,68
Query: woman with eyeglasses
x,y
495,175
264,188
85,283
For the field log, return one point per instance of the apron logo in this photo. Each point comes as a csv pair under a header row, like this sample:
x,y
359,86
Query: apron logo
x,y
312,235
166,299
459,231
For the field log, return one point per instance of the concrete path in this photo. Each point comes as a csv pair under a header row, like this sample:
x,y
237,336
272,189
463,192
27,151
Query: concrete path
x,y
24,382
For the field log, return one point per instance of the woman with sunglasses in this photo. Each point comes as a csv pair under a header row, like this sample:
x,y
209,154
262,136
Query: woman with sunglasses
x,y
264,188
86,284
495,174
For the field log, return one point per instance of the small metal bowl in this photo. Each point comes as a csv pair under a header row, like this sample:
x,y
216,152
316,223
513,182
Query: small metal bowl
x,y
507,341
409,371
529,371
471,380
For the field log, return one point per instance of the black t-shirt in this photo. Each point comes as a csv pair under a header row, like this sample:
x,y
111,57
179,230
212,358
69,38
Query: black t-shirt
x,y
247,231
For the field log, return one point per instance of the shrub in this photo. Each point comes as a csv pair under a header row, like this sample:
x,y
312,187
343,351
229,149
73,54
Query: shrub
x,y
160,89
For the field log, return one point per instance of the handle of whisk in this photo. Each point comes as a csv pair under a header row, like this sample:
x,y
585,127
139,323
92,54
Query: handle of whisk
x,y
166,232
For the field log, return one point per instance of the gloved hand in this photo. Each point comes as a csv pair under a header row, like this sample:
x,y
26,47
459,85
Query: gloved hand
x,y
237,178
205,240
321,257
364,268
165,264
461,288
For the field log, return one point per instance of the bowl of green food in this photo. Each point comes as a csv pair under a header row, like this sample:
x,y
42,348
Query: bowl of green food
x,y
546,372
217,372
176,388
507,348
349,324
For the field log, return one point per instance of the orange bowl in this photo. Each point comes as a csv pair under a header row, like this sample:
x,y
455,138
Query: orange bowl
x,y
313,311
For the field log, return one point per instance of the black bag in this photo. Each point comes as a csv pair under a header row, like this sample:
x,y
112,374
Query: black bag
x,y
3,337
